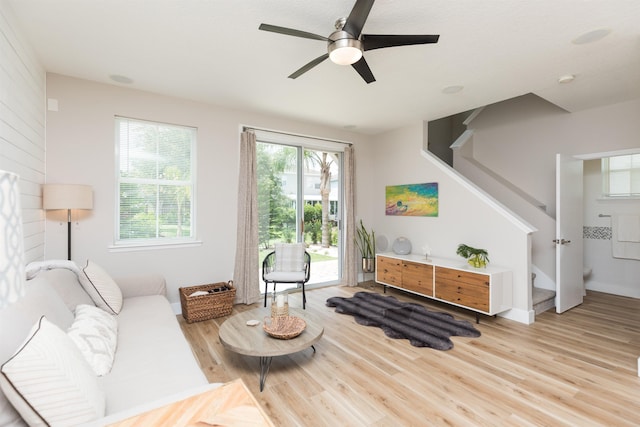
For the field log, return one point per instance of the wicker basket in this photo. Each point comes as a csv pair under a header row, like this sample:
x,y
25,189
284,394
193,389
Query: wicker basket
x,y
217,303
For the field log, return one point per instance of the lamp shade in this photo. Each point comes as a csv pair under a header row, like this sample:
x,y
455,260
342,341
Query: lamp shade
x,y
12,273
344,49
67,196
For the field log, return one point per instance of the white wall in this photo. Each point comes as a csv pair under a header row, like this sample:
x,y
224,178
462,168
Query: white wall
x,y
612,275
22,126
519,139
543,260
80,149
465,215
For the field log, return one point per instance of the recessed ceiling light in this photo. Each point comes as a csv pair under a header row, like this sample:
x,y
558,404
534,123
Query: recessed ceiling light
x,y
452,89
592,36
121,79
567,78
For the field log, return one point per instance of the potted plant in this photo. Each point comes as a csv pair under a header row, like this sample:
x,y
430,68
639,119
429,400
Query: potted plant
x,y
475,257
366,242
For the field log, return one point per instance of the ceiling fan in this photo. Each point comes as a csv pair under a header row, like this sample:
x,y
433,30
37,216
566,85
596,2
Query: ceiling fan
x,y
347,43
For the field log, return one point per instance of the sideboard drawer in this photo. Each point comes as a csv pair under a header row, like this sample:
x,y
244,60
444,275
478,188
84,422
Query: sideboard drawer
x,y
417,277
389,270
474,295
469,277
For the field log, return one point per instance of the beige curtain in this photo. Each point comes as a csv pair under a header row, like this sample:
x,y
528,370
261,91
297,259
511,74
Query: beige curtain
x,y
245,274
350,271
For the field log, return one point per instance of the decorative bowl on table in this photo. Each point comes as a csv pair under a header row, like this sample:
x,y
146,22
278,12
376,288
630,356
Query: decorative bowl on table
x,y
284,327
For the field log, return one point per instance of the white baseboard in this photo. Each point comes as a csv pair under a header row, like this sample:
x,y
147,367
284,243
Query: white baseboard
x,y
521,316
614,289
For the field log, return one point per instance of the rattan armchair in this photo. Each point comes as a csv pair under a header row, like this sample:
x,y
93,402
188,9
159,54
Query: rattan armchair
x,y
296,270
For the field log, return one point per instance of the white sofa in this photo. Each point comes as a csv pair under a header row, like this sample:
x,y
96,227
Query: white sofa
x,y
153,362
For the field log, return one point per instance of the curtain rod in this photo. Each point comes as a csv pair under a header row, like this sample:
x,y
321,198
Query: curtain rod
x,y
248,128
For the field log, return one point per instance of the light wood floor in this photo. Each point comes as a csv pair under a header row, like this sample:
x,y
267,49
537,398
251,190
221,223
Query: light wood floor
x,y
574,369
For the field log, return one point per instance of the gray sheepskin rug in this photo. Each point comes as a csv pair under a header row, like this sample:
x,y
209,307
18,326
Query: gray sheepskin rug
x,y
423,328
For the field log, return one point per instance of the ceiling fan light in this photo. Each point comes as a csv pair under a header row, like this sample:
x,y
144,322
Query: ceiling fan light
x,y
345,51
346,55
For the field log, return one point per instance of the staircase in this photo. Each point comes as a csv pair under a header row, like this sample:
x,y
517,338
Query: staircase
x,y
543,299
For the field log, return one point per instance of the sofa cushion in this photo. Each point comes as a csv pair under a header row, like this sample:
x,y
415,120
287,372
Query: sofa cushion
x,y
95,333
66,283
101,288
153,359
48,381
40,299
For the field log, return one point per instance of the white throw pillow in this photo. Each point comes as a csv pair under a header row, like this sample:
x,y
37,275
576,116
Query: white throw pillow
x,y
95,333
48,381
101,288
290,256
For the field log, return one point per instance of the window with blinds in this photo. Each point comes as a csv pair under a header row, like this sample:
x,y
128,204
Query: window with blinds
x,y
621,176
156,182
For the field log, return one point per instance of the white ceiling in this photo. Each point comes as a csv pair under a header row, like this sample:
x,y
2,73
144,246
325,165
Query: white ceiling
x,y
212,51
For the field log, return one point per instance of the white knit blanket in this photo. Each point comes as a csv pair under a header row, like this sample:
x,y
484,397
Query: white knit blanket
x,y
33,268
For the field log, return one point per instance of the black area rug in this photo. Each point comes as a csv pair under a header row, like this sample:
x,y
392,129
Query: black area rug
x,y
423,328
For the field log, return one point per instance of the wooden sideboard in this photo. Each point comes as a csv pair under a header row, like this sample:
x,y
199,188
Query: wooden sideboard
x,y
483,290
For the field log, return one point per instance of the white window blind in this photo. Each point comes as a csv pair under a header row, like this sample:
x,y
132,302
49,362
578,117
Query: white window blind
x,y
621,176
156,182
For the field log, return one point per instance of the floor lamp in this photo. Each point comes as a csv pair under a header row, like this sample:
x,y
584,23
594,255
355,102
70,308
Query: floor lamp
x,y
67,196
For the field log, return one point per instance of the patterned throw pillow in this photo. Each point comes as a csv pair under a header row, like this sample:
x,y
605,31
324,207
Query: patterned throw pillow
x,y
48,381
101,288
95,333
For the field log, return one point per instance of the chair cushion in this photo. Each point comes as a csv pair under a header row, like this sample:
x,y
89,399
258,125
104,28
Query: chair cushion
x,y
290,256
285,276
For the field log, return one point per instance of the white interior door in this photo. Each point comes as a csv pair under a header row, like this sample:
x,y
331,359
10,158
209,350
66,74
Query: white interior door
x,y
569,224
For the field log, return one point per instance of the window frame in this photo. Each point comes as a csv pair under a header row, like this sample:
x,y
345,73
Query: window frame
x,y
159,242
606,172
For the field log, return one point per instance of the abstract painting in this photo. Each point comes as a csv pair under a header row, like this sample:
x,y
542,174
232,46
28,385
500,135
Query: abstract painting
x,y
412,199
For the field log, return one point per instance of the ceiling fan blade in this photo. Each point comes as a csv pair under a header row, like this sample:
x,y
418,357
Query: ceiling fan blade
x,y
290,32
363,69
378,41
358,17
308,66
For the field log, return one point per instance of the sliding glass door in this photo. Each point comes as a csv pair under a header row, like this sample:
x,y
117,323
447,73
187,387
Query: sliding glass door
x,y
299,200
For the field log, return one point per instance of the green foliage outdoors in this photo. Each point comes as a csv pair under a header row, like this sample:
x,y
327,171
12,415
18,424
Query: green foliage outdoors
x,y
275,213
313,222
159,154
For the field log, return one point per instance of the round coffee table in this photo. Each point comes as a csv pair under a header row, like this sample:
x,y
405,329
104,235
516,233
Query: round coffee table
x,y
237,336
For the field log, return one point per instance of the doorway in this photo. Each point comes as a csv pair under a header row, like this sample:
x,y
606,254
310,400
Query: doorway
x,y
300,200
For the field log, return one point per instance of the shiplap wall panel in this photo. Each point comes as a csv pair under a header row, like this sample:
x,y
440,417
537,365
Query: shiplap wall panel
x,y
22,127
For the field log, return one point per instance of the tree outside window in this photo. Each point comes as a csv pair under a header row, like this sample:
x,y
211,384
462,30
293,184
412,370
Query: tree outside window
x,y
155,181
